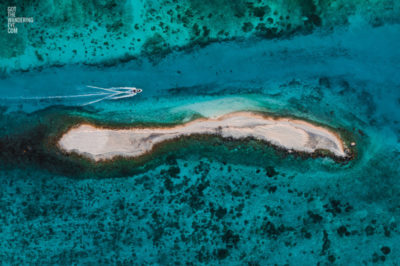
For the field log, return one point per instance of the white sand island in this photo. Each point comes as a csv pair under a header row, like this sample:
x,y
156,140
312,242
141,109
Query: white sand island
x,y
293,135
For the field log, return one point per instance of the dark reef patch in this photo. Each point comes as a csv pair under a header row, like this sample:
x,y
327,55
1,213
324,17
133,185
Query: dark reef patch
x,y
212,198
151,30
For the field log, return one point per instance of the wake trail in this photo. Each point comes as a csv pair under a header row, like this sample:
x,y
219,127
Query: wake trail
x,y
55,97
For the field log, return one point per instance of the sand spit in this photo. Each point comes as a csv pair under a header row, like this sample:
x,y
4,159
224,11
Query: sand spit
x,y
293,135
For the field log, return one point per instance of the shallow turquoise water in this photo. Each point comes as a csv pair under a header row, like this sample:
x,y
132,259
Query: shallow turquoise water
x,y
207,201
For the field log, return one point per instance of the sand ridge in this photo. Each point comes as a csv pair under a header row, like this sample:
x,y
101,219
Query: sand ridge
x,y
291,134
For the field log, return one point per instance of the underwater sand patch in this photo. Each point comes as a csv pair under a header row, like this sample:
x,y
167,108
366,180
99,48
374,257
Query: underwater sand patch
x,y
291,134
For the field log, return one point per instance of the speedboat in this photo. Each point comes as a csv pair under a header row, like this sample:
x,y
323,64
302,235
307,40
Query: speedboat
x,y
115,93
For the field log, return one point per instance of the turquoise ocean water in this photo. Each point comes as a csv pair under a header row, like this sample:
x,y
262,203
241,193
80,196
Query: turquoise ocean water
x,y
204,200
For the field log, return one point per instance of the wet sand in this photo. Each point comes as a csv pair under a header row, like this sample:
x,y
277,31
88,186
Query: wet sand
x,y
293,135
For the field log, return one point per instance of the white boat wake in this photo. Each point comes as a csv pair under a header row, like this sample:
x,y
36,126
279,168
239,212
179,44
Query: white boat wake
x,y
113,93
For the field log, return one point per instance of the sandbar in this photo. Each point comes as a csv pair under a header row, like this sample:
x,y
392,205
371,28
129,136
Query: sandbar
x,y
99,143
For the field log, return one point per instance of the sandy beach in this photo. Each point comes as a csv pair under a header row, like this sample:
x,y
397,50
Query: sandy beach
x,y
294,135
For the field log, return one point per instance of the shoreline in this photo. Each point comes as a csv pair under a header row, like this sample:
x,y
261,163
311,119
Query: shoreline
x,y
292,135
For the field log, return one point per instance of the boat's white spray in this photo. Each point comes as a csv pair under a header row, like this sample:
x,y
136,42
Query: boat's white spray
x,y
113,93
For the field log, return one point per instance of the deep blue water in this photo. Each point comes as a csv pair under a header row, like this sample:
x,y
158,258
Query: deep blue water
x,y
205,202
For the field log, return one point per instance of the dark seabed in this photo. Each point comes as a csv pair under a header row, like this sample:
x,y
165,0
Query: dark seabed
x,y
201,200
